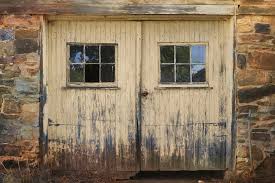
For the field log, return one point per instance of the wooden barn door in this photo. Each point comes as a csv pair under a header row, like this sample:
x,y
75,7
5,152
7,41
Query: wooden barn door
x,y
90,126
186,126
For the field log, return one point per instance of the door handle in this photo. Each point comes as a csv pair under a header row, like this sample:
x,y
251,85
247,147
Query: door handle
x,y
144,93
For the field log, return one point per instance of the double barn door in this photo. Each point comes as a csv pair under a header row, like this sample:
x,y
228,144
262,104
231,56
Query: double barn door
x,y
138,122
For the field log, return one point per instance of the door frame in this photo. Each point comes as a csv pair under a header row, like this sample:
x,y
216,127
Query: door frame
x,y
43,108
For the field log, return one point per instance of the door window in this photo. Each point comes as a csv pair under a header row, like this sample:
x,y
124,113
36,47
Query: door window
x,y
92,63
183,64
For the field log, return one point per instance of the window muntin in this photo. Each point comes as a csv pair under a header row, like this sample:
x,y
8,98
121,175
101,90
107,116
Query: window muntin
x,y
182,64
92,63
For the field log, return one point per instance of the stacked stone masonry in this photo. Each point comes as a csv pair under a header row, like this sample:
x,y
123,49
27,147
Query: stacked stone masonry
x,y
19,89
255,75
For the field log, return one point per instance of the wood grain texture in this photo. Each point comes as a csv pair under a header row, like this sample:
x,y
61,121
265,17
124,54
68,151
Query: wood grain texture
x,y
121,7
187,128
114,9
92,128
28,2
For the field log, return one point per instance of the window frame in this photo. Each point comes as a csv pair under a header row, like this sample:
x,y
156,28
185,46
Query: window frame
x,y
84,84
183,84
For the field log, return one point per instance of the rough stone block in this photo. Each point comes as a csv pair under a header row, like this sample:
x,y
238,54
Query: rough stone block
x,y
266,101
30,112
264,124
10,71
26,46
7,49
253,77
257,153
35,131
244,24
26,34
22,21
266,117
29,98
246,95
26,132
242,163
262,28
248,108
260,136
6,34
26,86
9,150
5,90
263,39
8,130
262,60
32,58
18,59
265,172
11,106
7,82
266,109
29,69
241,140
243,151
241,61
259,130
27,145
242,132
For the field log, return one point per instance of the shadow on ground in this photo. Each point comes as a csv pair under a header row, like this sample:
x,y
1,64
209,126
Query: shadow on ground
x,y
177,177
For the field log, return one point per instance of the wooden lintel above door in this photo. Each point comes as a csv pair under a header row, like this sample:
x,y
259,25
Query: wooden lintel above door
x,y
90,8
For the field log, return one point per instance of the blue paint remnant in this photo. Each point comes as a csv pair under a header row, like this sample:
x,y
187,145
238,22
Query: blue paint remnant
x,y
131,135
6,34
79,118
150,142
93,124
109,141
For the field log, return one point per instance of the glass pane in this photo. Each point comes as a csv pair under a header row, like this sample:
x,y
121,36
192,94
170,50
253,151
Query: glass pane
x,y
76,54
92,54
167,54
167,73
107,54
183,73
198,54
198,73
91,73
107,73
76,73
183,54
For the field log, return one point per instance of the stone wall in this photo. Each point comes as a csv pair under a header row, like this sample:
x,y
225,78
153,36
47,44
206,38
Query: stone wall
x,y
19,89
255,74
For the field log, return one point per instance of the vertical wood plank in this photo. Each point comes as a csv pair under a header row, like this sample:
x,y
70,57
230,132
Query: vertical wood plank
x,y
190,121
89,122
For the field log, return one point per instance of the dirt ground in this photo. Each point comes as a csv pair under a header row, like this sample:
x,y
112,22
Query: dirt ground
x,y
263,174
46,176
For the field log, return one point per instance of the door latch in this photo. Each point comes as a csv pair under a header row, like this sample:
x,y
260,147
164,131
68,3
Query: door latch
x,y
144,93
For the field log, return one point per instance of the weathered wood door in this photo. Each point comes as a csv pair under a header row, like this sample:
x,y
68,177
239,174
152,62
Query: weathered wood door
x,y
180,126
186,126
92,126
